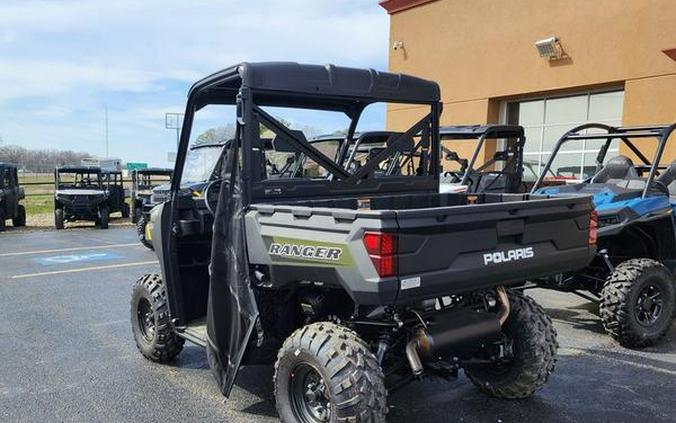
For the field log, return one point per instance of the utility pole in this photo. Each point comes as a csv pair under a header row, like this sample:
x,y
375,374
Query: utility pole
x,y
106,108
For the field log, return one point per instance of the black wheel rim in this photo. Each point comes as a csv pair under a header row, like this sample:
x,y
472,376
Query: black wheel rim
x,y
649,305
146,319
308,395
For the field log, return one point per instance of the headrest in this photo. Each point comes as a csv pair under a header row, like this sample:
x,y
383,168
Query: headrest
x,y
620,167
669,175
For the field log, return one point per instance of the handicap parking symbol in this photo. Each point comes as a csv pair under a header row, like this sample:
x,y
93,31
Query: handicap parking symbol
x,y
77,258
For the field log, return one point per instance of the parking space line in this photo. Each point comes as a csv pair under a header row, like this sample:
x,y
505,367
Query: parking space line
x,y
84,269
59,250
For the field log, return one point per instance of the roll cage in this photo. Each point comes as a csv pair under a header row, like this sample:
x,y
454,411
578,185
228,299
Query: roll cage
x,y
143,178
252,86
623,133
511,154
79,170
370,142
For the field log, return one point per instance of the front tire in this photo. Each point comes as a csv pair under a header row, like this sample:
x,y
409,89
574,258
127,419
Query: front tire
x,y
104,217
150,321
326,373
137,215
141,232
534,347
58,219
125,211
637,302
2,221
20,219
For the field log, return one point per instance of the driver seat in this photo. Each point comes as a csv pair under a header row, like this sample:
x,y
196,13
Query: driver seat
x,y
617,169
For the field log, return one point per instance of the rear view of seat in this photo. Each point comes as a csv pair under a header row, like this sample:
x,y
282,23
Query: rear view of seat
x,y
618,169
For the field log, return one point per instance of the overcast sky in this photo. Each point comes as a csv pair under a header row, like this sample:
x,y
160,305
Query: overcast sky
x,y
62,62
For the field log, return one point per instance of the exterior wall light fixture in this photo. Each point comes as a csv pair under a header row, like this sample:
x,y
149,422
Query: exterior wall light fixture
x,y
549,48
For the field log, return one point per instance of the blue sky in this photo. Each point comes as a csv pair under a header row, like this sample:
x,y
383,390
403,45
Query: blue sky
x,y
62,62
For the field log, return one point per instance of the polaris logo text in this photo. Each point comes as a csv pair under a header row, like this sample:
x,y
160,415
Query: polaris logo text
x,y
305,251
509,255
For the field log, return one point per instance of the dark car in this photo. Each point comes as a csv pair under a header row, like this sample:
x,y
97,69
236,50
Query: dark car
x,y
10,196
87,193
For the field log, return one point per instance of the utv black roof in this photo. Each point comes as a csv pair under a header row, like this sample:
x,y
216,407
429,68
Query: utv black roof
x,y
479,131
154,171
5,164
76,169
358,87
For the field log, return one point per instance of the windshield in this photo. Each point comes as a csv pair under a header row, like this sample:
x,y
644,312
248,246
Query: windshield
x,y
200,164
79,180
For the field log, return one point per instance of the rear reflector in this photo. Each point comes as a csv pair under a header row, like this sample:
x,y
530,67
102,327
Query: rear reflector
x,y
593,227
382,249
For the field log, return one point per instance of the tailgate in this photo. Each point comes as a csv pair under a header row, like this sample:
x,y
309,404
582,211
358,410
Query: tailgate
x,y
455,249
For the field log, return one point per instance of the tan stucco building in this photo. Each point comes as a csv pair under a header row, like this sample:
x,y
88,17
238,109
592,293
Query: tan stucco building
x,y
618,64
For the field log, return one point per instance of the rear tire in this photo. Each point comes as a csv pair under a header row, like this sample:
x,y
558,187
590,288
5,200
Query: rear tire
x,y
104,217
58,219
20,219
141,232
534,347
150,321
326,373
2,221
137,215
638,302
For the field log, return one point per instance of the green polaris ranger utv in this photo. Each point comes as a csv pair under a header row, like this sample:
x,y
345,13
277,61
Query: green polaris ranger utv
x,y
350,282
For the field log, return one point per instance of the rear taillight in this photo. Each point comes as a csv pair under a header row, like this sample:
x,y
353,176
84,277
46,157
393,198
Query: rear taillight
x,y
593,227
382,249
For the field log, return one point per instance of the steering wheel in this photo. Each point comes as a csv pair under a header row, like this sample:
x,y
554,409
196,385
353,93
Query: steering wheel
x,y
456,176
211,194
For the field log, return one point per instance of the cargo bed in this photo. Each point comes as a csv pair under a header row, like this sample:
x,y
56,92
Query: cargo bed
x,y
446,243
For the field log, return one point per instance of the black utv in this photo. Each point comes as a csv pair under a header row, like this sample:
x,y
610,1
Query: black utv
x,y
143,181
355,283
10,196
87,193
502,173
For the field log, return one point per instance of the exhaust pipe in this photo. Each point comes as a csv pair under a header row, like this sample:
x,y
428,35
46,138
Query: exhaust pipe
x,y
505,306
455,332
413,357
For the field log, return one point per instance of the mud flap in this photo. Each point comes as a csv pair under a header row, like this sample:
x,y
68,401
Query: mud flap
x,y
231,311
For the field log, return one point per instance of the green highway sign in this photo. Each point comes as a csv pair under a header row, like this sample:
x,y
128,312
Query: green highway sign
x,y
136,166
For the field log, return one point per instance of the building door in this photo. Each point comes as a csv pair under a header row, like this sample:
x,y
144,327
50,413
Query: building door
x,y
546,119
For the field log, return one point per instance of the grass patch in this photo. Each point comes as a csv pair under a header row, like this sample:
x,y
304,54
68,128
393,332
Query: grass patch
x,y
39,204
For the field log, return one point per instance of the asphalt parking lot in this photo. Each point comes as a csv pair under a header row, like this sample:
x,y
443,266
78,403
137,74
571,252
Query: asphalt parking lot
x,y
67,354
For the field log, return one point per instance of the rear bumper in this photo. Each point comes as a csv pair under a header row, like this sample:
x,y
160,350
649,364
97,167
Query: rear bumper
x,y
470,272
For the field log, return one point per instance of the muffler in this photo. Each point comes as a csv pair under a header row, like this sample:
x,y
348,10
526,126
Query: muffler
x,y
455,332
